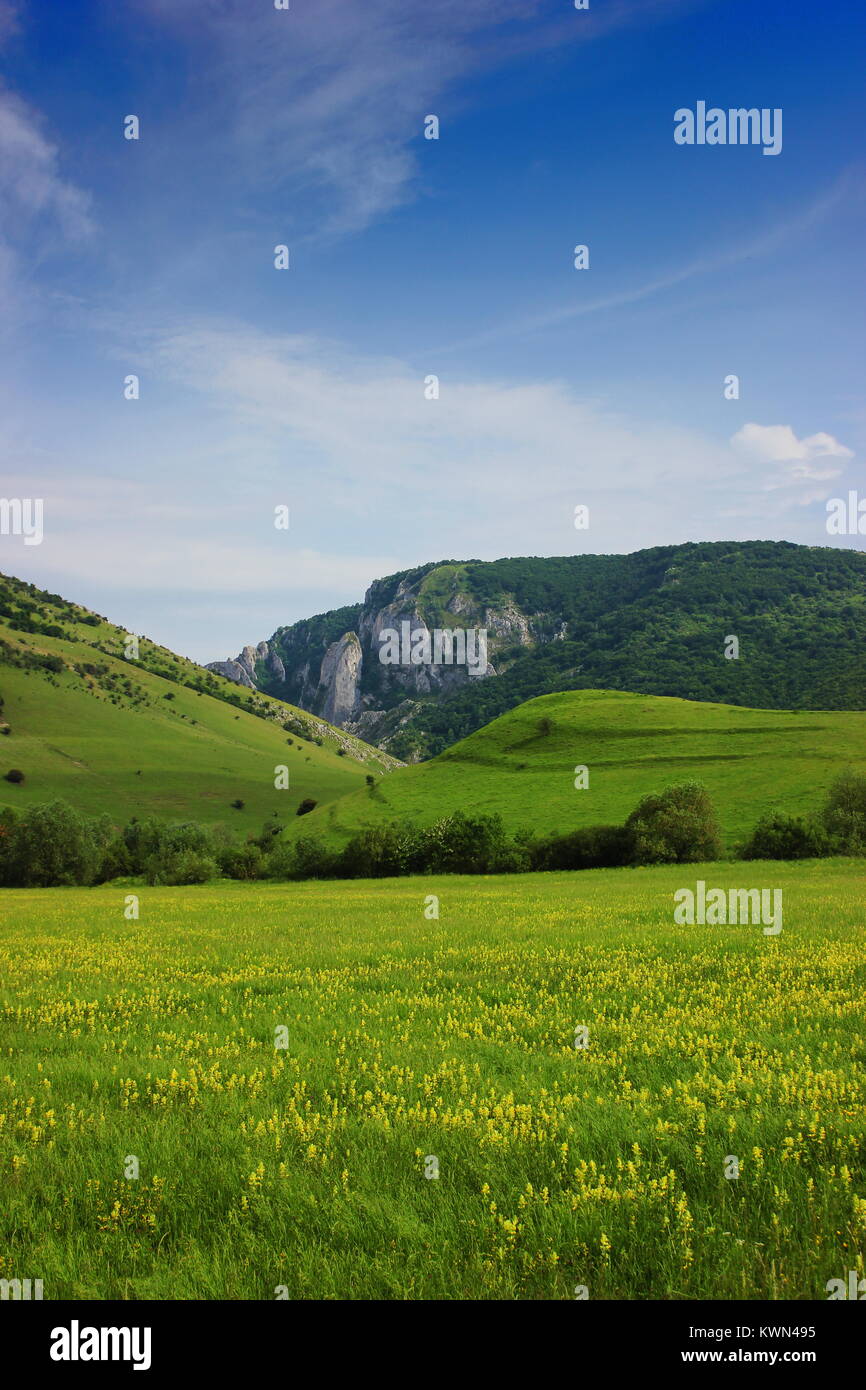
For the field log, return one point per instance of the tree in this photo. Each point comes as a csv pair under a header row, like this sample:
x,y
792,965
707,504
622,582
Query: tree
x,y
844,813
779,836
677,826
52,844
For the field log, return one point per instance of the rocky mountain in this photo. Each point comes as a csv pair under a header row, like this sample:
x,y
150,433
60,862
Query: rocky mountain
x,y
407,670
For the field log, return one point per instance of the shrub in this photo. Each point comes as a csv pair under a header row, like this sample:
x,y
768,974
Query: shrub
x,y
461,844
238,804
381,851
779,836
595,847
312,859
179,867
243,861
116,861
51,844
280,864
306,806
14,775
844,813
676,827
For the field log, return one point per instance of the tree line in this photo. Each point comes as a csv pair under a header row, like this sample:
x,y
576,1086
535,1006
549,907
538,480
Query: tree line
x,y
55,845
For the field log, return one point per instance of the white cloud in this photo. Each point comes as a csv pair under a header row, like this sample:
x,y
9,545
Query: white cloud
x,y
779,444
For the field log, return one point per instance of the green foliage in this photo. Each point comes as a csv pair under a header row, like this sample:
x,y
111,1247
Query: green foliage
x,y
243,861
779,836
180,867
844,815
594,847
49,845
678,826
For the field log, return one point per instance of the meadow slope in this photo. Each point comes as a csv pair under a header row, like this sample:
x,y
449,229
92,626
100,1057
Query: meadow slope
x,y
522,765
154,735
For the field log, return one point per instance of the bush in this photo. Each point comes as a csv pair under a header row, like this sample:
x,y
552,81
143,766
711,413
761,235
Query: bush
x,y
306,806
676,827
461,844
595,847
382,851
779,836
116,861
179,867
50,844
243,861
844,813
238,804
14,775
312,859
280,864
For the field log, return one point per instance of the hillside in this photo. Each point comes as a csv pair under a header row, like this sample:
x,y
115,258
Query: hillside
x,y
654,622
158,735
522,765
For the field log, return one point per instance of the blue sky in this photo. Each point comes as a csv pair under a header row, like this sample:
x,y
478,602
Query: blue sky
x,y
411,257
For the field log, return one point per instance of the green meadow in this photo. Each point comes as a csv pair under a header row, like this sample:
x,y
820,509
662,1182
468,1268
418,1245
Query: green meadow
x,y
415,1045
522,766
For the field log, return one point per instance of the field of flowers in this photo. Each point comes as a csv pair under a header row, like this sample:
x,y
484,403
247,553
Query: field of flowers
x,y
415,1044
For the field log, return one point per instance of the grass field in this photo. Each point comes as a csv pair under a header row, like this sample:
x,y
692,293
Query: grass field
x,y
408,1039
752,761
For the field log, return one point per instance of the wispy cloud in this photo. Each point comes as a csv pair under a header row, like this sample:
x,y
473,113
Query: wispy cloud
x,y
329,98
36,201
797,224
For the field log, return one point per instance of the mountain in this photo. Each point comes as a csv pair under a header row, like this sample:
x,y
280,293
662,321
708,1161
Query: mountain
x,y
154,735
654,622
522,766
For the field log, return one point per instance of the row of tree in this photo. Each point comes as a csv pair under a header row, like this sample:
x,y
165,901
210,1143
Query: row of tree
x,y
54,844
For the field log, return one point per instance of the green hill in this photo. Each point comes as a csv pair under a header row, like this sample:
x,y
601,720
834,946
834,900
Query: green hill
x,y
157,735
654,622
523,764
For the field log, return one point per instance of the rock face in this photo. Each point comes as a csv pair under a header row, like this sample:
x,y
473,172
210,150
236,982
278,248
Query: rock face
x,y
340,676
244,669
331,666
233,671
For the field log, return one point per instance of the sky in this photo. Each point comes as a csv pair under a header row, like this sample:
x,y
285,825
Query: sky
x,y
309,388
